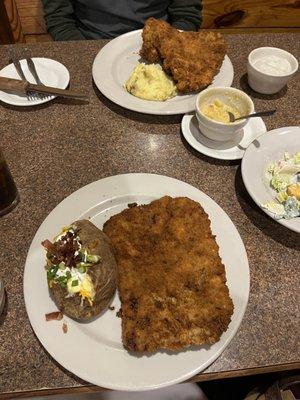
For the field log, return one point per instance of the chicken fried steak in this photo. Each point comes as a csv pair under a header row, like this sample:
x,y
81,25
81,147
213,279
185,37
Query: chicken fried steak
x,y
172,282
191,58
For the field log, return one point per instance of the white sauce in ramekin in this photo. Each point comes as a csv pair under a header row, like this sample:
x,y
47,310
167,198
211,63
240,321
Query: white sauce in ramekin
x,y
273,65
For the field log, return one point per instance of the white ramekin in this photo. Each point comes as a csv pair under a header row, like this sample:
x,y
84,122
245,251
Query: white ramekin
x,y
220,131
266,83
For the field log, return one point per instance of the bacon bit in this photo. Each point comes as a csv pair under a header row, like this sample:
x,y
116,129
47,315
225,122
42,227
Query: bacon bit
x,y
48,245
119,313
111,308
63,250
65,328
130,205
54,316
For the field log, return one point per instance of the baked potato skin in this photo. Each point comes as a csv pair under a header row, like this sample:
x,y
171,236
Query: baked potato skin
x,y
103,275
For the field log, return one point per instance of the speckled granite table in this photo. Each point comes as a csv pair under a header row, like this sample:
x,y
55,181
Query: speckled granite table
x,y
56,148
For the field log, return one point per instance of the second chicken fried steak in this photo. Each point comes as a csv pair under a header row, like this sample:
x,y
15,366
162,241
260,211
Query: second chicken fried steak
x,y
172,282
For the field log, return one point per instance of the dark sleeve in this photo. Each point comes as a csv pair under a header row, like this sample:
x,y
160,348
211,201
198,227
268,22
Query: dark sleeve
x,y
185,14
60,20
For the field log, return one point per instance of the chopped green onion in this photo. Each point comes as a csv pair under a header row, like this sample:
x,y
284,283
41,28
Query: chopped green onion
x,y
83,254
62,280
81,269
88,258
75,283
51,272
83,264
93,258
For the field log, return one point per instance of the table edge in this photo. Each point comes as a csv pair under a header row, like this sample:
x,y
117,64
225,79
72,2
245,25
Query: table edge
x,y
202,377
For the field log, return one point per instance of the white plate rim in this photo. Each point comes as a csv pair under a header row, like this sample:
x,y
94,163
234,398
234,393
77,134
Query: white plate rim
x,y
65,75
265,138
59,209
140,107
215,153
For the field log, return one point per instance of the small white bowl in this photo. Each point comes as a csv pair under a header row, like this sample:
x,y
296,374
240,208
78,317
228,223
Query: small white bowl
x,y
268,83
220,131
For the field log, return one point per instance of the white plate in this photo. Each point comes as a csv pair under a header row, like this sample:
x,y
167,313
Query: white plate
x,y
51,73
259,154
222,151
114,64
94,351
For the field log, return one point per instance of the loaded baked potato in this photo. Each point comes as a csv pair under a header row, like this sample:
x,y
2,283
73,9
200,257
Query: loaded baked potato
x,y
81,270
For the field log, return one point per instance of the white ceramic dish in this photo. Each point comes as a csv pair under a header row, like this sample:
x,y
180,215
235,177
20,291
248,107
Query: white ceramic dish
x,y
268,83
116,61
51,73
266,149
219,131
94,351
222,151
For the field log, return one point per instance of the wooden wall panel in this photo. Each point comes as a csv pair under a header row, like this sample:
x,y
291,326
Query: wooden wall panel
x,y
6,35
31,16
12,15
38,38
251,13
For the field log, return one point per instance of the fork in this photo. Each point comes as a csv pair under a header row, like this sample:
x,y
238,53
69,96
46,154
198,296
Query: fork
x,y
19,71
33,70
31,96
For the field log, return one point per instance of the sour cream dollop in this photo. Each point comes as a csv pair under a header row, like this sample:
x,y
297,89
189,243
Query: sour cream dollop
x,y
273,65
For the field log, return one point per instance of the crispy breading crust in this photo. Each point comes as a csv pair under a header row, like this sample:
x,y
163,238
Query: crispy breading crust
x,y
172,282
191,58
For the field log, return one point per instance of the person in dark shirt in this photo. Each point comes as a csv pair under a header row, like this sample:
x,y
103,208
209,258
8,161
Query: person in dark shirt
x,y
95,19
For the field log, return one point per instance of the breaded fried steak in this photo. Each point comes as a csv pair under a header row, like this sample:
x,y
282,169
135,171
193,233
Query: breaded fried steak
x,y
192,59
172,282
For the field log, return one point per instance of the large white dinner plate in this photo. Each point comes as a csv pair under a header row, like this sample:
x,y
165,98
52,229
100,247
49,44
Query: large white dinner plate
x,y
93,351
51,73
114,64
268,148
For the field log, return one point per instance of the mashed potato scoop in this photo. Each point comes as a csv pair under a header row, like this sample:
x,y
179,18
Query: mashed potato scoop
x,y
150,82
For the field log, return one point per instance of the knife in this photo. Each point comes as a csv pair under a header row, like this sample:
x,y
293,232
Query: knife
x,y
20,86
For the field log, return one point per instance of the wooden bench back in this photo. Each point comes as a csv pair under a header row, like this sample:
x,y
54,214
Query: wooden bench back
x,y
27,22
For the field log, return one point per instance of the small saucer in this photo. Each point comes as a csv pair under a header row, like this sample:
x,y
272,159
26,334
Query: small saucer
x,y
221,150
51,73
